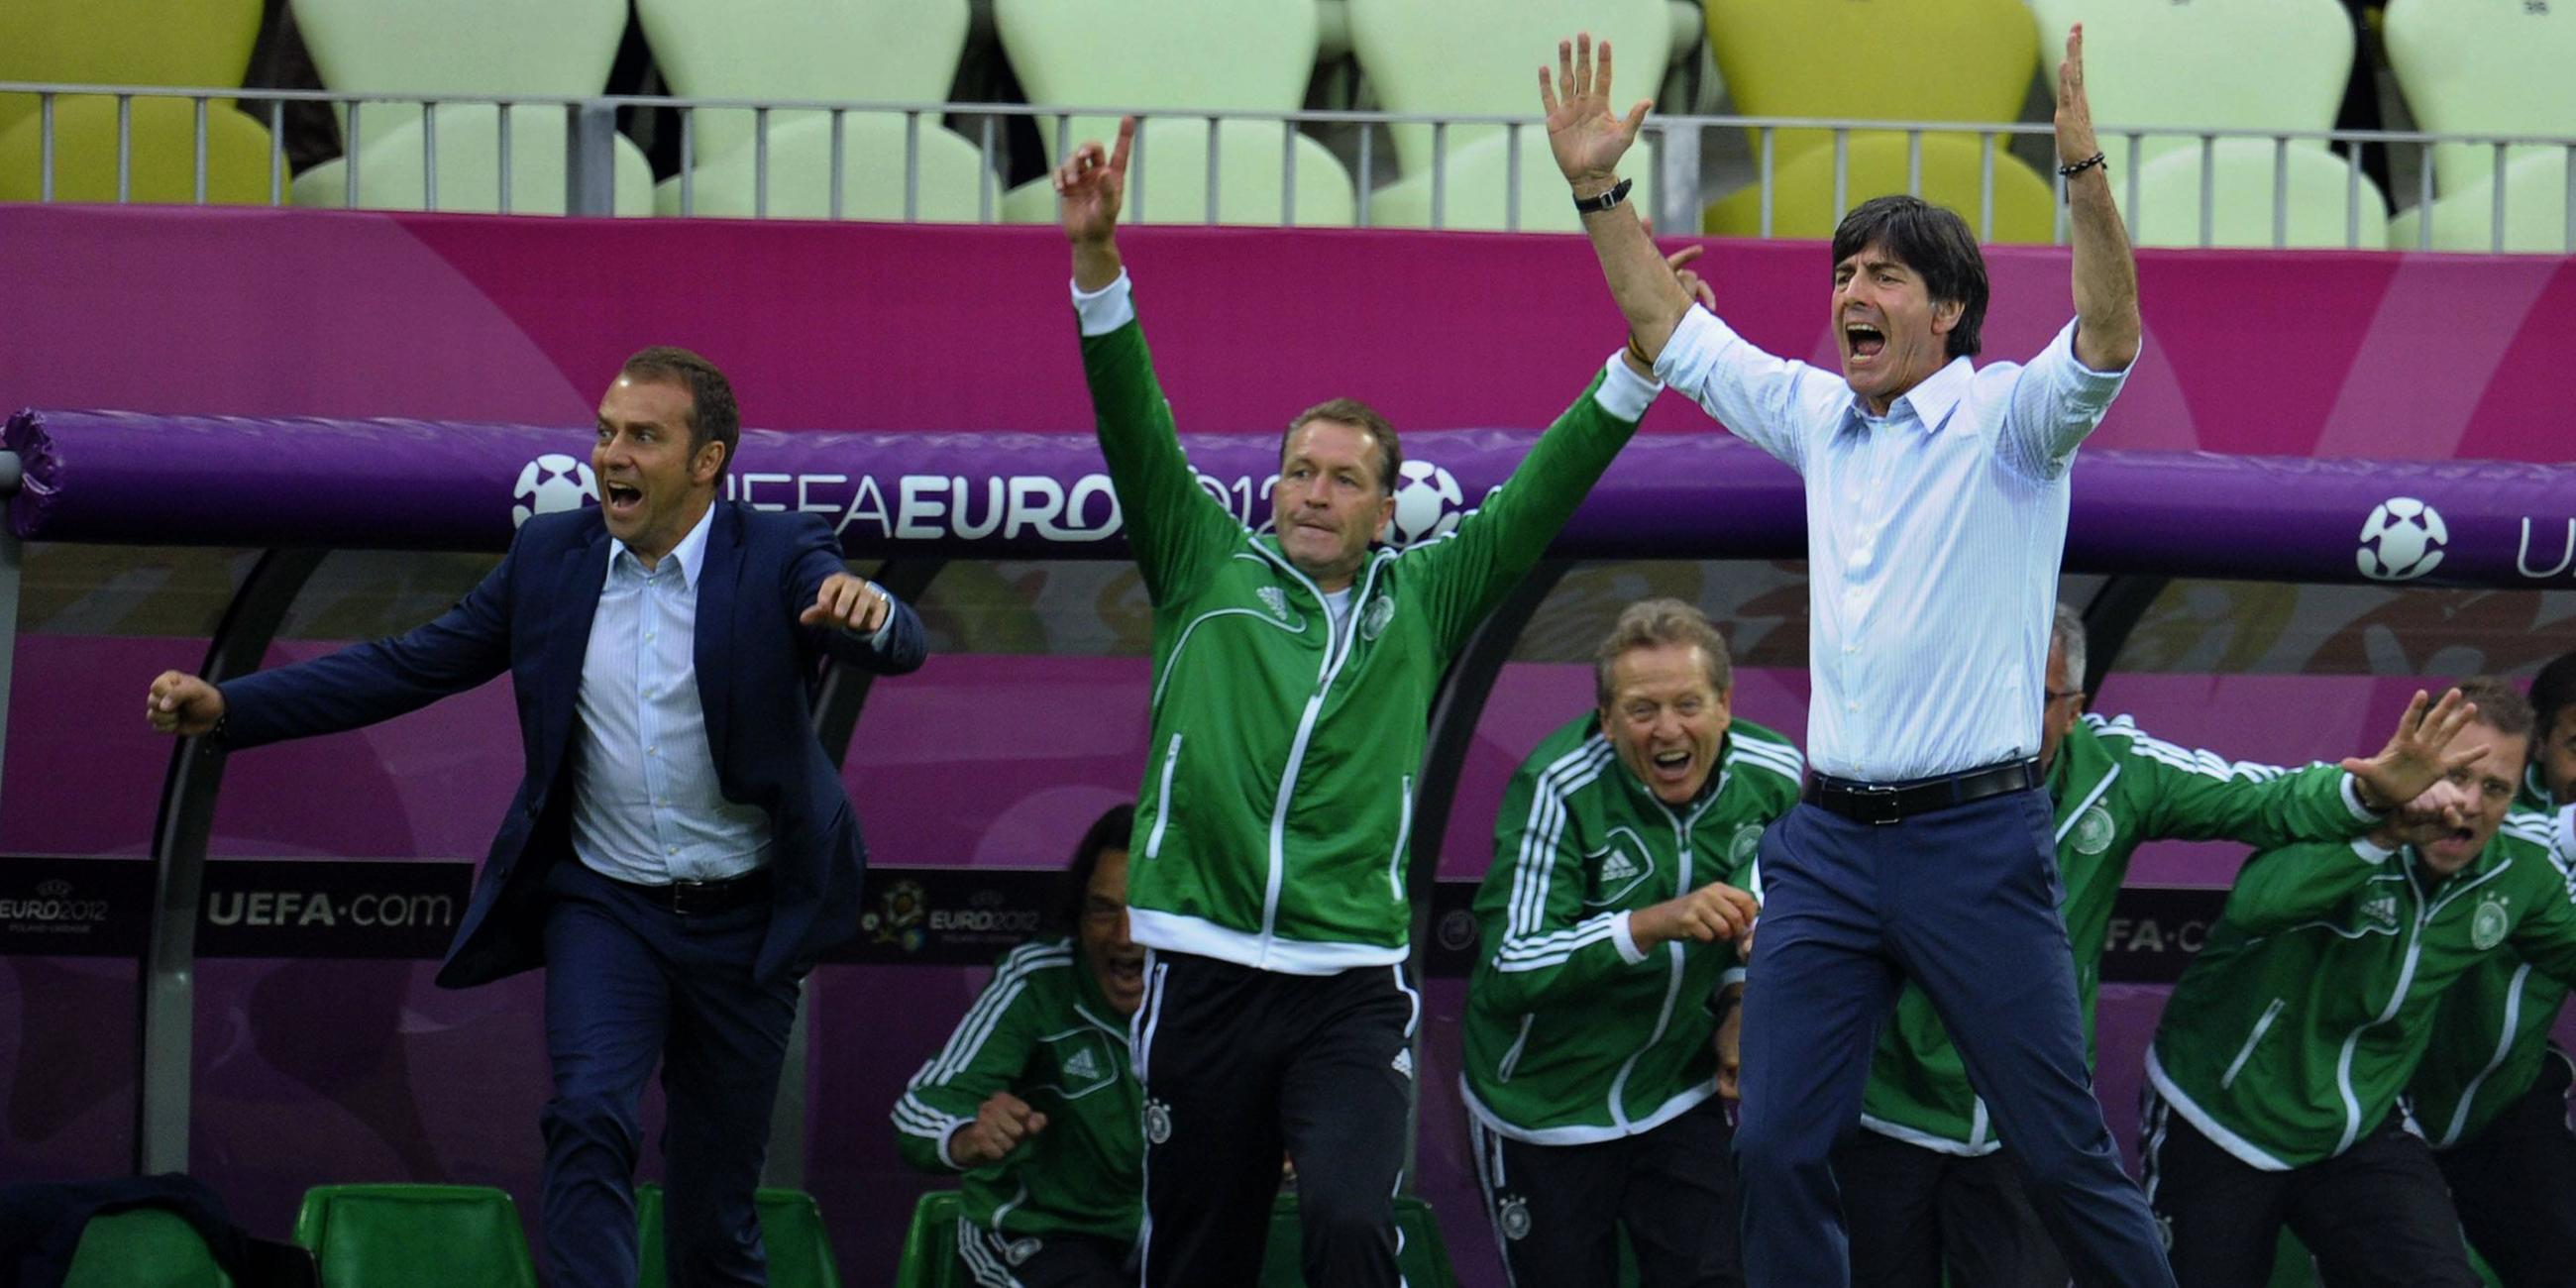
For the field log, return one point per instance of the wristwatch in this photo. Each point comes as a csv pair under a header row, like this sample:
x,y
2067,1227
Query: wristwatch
x,y
1606,201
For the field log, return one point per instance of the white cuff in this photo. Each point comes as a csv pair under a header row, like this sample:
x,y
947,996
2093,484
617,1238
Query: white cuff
x,y
1624,393
2565,834
2352,801
2371,852
1734,975
1629,952
1104,310
947,1132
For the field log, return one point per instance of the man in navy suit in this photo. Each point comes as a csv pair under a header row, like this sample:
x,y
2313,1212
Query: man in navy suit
x,y
681,849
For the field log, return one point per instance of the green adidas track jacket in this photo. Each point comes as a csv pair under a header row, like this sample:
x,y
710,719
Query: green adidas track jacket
x,y
1572,1033
2295,1029
1273,821
2114,787
1043,1032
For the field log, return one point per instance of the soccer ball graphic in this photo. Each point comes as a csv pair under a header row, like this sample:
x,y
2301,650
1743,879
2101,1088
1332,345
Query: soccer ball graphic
x,y
2402,539
553,482
1427,504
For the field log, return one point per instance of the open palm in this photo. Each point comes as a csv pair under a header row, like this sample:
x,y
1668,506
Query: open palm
x,y
1587,140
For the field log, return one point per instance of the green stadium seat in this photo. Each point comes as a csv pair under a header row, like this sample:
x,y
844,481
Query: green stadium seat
x,y
1479,174
2318,198
791,1229
873,51
1249,159
1480,58
391,174
2486,67
2535,213
930,1246
950,174
2272,65
143,1248
415,1236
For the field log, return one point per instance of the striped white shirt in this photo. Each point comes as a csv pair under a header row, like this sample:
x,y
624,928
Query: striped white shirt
x,y
1933,540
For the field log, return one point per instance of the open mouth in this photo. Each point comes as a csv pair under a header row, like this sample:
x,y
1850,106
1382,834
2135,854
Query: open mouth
x,y
1125,970
1863,341
621,499
1671,766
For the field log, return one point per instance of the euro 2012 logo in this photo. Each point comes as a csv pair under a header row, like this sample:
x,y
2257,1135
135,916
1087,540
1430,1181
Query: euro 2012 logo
x,y
898,916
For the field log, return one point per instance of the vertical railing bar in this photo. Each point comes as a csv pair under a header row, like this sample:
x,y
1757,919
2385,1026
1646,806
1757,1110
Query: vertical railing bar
x,y
1439,173
1842,173
45,146
688,160
2423,194
911,165
984,176
2208,185
2280,191
2570,246
2137,155
501,143
2057,231
1136,171
1064,149
1769,171
2495,218
349,158
429,155
124,148
277,151
760,162
1914,163
1287,173
198,112
837,127
1209,193
2352,201
1367,162
1512,179
1986,185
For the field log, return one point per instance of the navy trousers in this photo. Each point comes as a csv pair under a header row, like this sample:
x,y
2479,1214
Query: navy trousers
x,y
630,984
1964,902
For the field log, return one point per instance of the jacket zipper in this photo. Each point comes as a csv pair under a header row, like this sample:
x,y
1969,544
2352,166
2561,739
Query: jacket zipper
x,y
2262,1025
1403,833
1335,654
1163,800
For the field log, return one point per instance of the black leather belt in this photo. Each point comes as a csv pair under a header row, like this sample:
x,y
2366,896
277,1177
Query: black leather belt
x,y
1882,803
700,898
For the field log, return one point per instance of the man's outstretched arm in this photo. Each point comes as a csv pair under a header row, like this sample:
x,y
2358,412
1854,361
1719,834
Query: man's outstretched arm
x,y
1588,142
2108,327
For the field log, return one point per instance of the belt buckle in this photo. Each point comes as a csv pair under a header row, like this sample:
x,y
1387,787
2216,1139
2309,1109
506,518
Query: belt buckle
x,y
1879,807
694,898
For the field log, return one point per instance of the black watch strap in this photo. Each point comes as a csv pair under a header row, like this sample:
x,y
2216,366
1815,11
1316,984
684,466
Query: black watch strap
x,y
1605,201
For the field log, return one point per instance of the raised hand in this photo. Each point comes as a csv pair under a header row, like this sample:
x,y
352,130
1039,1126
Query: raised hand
x,y
182,704
2074,115
2419,753
853,604
1092,183
1001,1123
1587,140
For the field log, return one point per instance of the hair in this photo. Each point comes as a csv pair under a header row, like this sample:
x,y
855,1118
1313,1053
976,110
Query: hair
x,y
1351,411
713,415
2500,705
1649,623
2066,635
2552,691
1933,241
1108,832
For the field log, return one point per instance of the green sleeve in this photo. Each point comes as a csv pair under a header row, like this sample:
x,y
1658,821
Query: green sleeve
x,y
1175,529
985,1054
2199,795
2300,883
2545,933
1536,946
1498,541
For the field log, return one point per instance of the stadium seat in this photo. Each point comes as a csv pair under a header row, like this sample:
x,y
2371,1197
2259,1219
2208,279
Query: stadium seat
x,y
415,1236
1922,60
949,174
162,160
791,1229
874,51
391,174
1480,58
143,1248
2485,67
2535,213
2319,205
195,44
1249,164
2239,65
930,1245
1479,174
1802,190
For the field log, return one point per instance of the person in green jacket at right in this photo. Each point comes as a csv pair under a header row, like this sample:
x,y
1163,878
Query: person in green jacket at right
x,y
1033,1098
2275,1075
2491,1094
1925,1184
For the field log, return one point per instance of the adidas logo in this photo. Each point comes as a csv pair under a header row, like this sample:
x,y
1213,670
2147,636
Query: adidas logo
x,y
1618,867
1276,600
1404,1061
1083,1065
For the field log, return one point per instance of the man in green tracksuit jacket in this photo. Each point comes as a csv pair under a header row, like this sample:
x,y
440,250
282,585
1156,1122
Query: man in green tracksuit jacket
x,y
1591,1076
2276,1072
1034,1098
2491,1093
1923,1185
1292,680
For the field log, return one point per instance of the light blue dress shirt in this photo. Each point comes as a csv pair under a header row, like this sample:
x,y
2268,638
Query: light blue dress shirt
x,y
646,804
1933,540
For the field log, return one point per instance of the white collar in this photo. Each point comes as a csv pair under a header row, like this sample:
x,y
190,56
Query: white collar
x,y
691,552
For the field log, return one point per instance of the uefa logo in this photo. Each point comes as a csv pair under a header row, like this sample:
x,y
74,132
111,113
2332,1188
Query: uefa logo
x,y
1428,503
553,482
2401,540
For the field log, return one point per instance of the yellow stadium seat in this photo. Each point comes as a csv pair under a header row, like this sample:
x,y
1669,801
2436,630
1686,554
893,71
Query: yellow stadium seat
x,y
2496,67
2270,65
2319,198
2535,213
392,174
189,43
949,174
1918,60
874,51
1878,163
1250,159
1481,58
1479,174
162,160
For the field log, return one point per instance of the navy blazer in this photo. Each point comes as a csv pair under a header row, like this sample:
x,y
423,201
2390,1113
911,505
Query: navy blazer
x,y
532,616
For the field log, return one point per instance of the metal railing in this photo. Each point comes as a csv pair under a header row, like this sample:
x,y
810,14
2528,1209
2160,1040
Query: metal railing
x,y
1678,148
